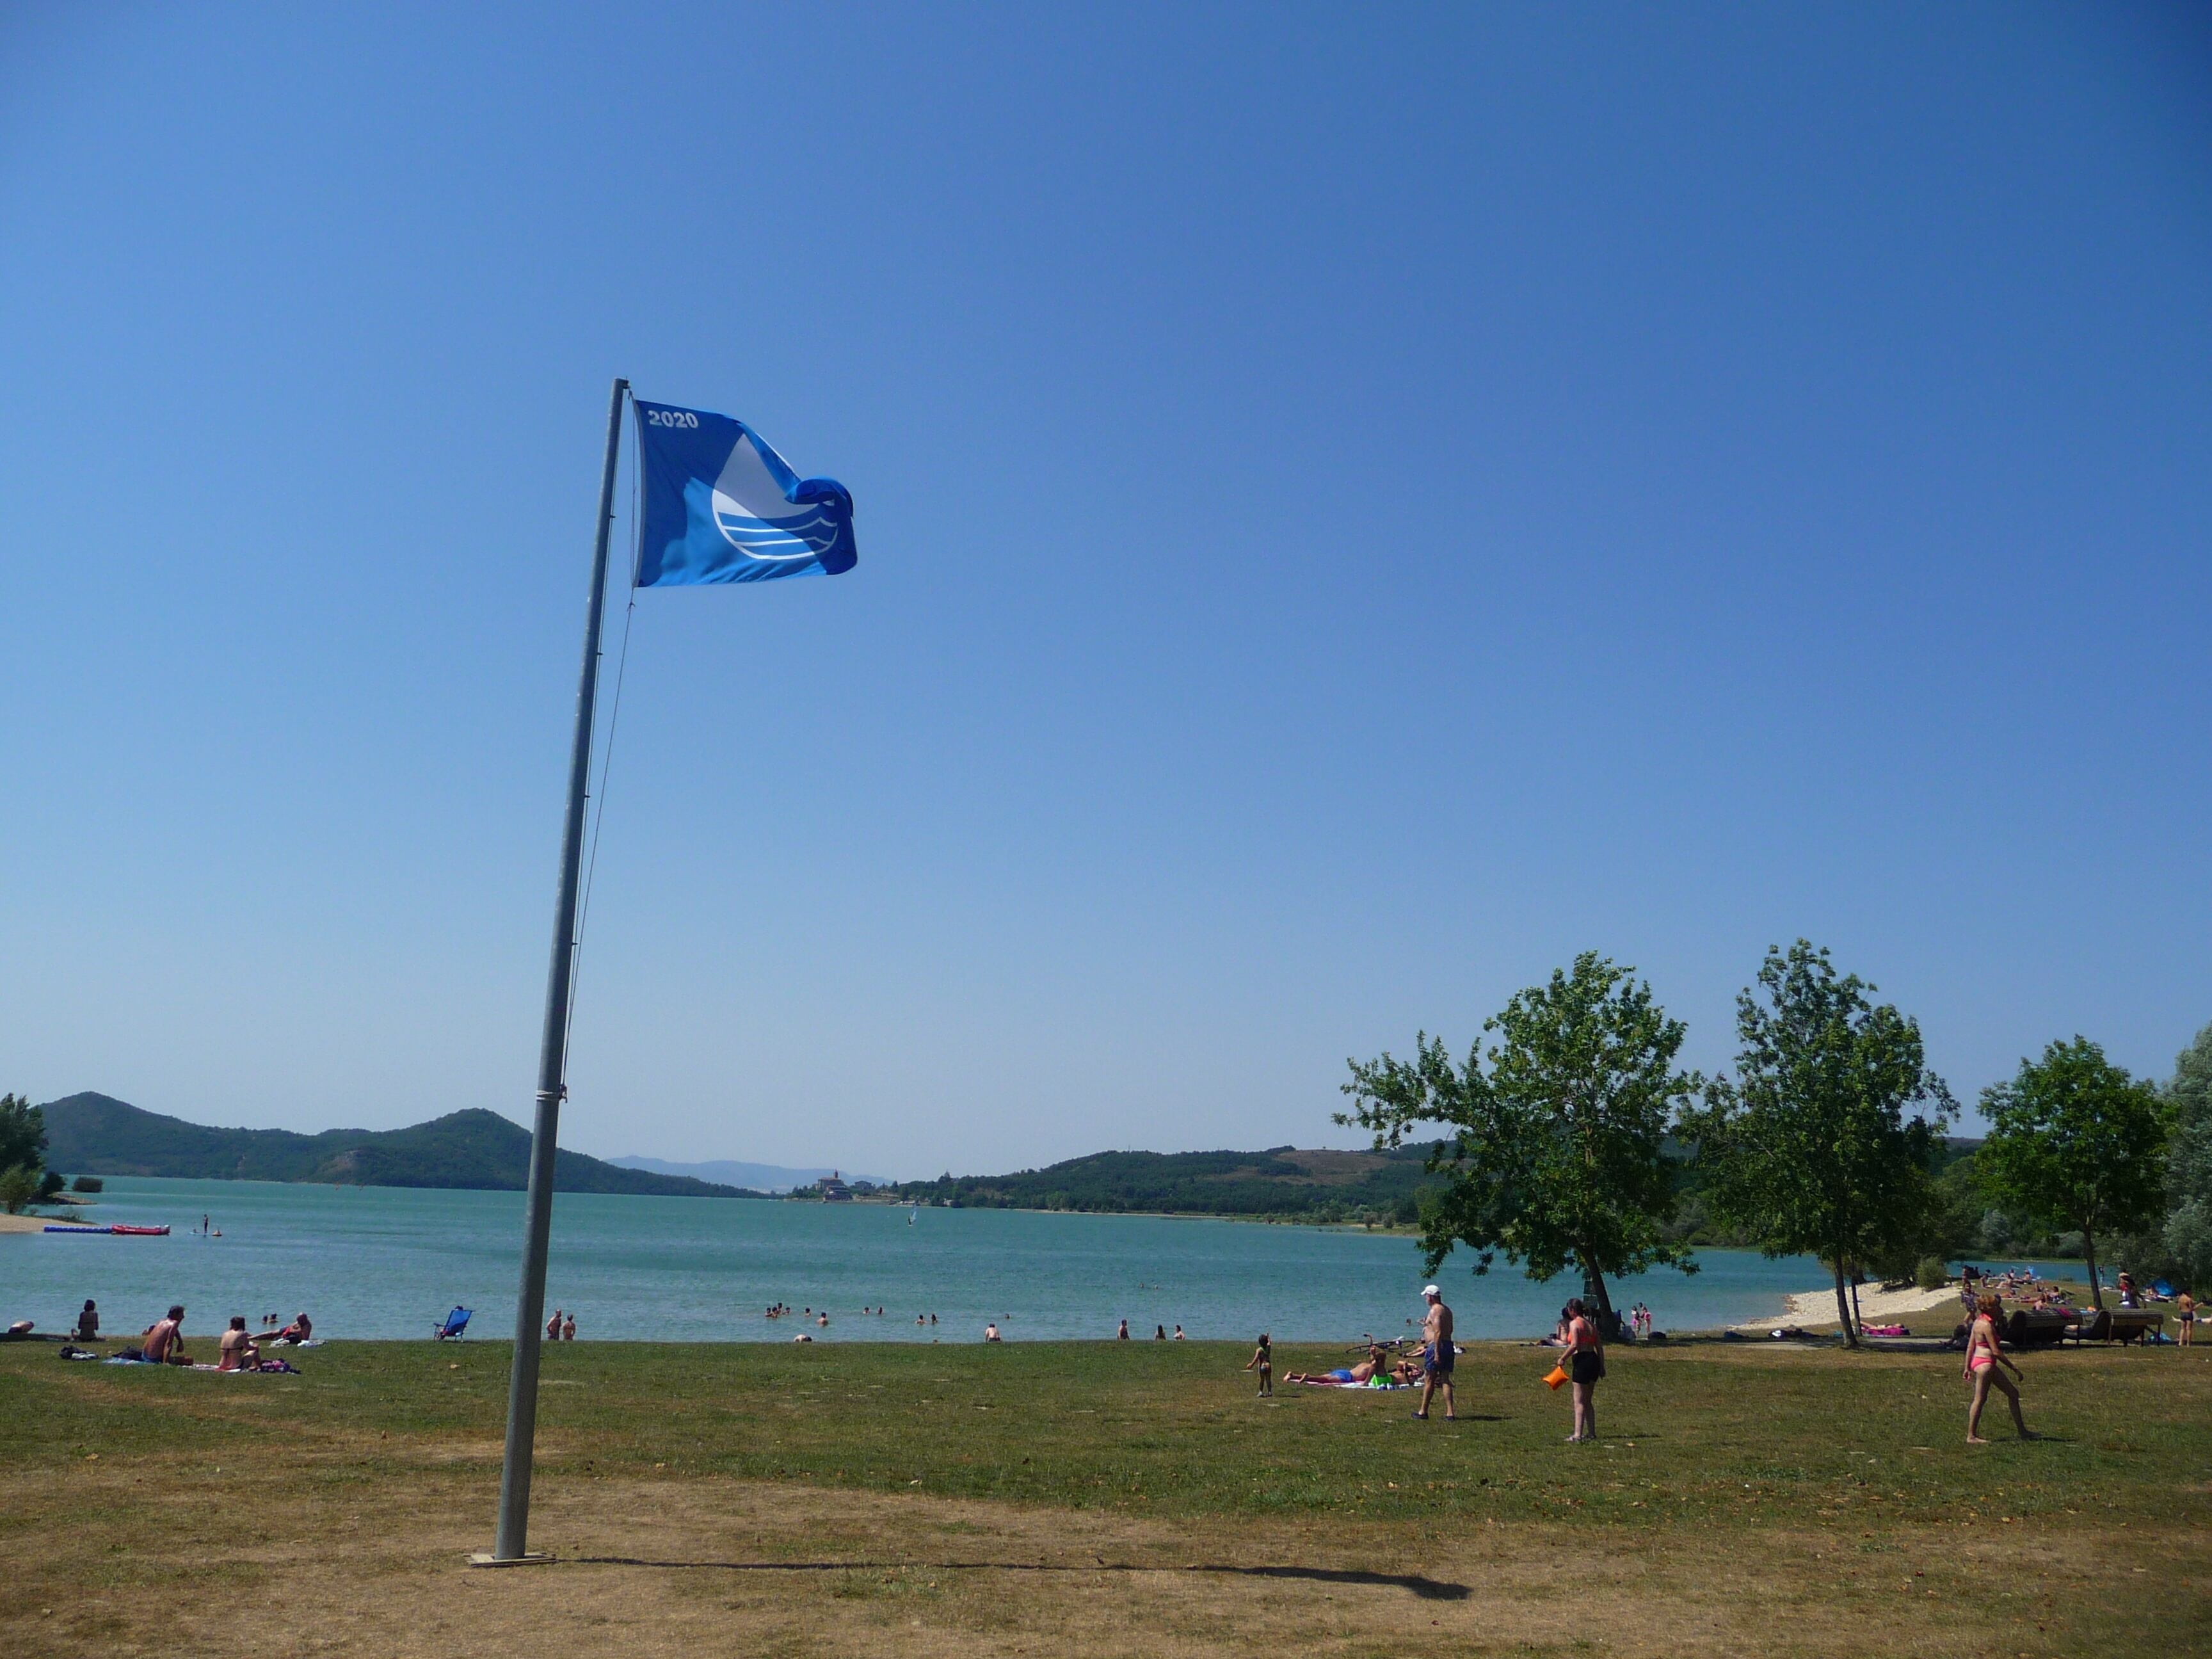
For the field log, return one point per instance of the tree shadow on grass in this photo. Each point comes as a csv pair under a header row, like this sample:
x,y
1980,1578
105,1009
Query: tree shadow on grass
x,y
1429,1590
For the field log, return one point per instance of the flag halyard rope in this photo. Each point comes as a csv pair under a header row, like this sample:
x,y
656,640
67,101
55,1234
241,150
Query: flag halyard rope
x,y
606,764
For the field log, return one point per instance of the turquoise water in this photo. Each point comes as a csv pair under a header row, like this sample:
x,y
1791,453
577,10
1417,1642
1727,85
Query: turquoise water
x,y
385,1262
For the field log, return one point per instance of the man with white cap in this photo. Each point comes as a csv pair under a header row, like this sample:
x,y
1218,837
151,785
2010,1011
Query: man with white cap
x,y
1437,1355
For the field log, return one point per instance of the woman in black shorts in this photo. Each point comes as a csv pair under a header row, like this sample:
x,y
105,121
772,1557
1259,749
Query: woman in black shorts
x,y
1585,1364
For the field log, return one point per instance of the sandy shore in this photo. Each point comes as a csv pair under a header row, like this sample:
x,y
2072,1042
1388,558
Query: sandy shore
x,y
22,1224
1876,1307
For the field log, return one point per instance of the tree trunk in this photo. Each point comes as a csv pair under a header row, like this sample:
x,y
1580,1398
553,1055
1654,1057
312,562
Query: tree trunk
x,y
1856,1315
2090,1250
1843,1307
1608,1323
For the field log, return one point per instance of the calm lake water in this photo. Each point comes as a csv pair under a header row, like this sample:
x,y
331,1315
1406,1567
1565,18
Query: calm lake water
x,y
385,1262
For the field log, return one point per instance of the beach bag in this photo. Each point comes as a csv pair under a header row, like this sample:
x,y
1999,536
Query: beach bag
x,y
1555,1378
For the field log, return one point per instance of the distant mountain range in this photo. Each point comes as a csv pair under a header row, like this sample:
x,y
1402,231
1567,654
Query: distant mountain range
x,y
1282,1183
97,1134
762,1177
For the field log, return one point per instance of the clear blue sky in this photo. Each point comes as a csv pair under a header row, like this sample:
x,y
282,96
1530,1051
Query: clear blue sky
x,y
1354,507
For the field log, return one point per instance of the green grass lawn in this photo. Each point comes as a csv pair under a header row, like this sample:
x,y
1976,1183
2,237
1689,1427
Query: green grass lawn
x,y
1709,1433
1856,1459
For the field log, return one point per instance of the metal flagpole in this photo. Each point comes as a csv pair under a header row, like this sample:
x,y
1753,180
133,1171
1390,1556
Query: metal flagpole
x,y
511,1544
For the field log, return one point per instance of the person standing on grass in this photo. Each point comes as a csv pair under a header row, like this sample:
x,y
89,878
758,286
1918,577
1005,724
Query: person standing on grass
x,y
1437,1355
1585,1364
568,1329
1984,1354
553,1327
1263,1361
2184,1308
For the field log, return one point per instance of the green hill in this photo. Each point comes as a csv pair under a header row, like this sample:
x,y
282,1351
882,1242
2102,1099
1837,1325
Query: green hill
x,y
1282,1183
97,1134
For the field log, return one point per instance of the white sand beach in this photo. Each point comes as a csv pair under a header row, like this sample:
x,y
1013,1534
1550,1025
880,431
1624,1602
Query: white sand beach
x,y
1876,1307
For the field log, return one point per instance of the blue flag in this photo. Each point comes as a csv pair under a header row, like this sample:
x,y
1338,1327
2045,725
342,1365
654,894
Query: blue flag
x,y
721,506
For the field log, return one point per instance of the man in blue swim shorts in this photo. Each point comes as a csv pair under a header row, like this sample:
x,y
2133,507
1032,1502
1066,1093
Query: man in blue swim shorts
x,y
1436,1354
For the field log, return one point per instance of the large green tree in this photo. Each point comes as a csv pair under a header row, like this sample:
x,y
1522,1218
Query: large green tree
x,y
2076,1142
2186,1233
22,1153
23,1133
1557,1154
1807,1150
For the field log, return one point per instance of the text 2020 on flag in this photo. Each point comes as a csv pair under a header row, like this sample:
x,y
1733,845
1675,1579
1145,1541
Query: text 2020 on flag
x,y
721,506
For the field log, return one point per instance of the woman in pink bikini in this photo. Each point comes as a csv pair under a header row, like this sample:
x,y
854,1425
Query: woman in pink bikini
x,y
1987,1363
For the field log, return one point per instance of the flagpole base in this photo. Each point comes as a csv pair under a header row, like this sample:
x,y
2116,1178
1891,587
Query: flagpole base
x,y
533,1558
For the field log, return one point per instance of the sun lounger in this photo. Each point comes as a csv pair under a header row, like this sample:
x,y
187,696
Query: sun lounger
x,y
2122,1325
2036,1327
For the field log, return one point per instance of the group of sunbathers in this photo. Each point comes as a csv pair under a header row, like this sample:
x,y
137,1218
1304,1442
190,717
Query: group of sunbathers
x,y
1377,1370
2026,1290
237,1350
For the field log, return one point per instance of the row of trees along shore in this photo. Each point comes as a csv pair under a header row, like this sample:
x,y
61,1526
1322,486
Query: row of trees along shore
x,y
1575,1142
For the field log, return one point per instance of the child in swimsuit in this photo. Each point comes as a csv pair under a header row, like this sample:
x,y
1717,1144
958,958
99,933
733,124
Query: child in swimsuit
x,y
1263,1361
1984,1356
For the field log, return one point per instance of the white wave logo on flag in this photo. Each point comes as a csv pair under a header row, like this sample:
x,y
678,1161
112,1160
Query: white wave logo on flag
x,y
751,512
